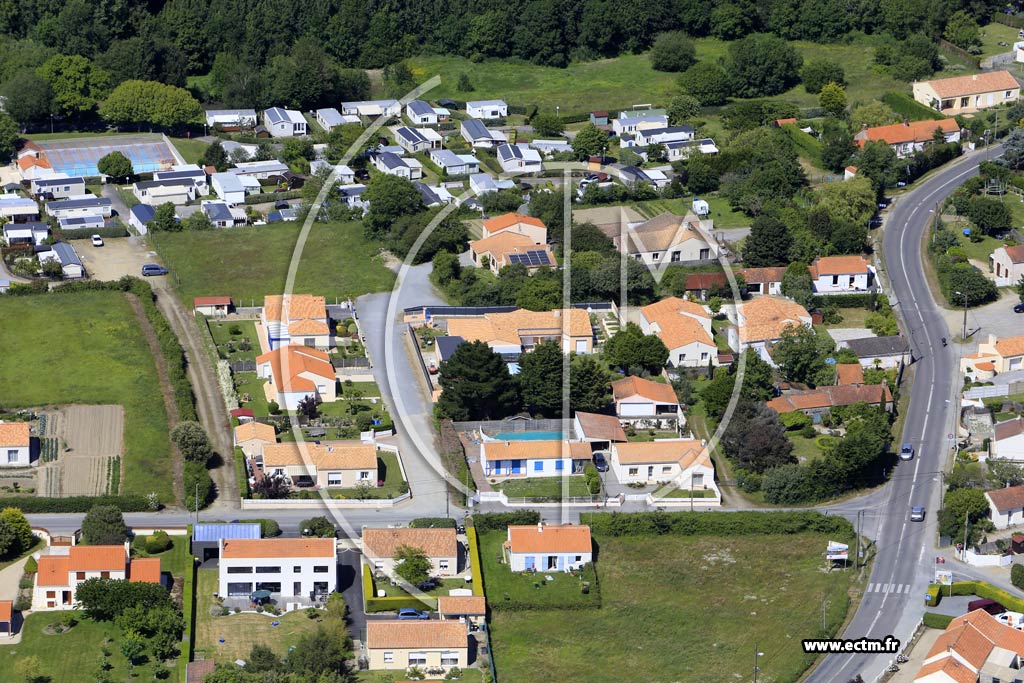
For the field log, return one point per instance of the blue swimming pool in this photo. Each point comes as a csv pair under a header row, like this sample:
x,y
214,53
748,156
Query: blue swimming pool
x,y
528,436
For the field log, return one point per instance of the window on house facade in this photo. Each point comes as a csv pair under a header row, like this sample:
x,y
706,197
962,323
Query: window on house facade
x,y
676,256
633,471
417,658
442,565
538,466
80,576
268,570
704,355
389,657
559,465
655,256
239,570
12,456
334,478
321,569
705,254
965,101
296,569
835,280
364,475
449,659
665,469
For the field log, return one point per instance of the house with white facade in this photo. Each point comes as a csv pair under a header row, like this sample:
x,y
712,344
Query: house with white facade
x,y
910,136
434,195
296,571
295,372
685,329
881,352
392,164
259,170
764,280
994,355
56,187
684,463
252,436
519,159
439,545
59,573
975,647
630,121
661,136
18,209
399,646
762,321
486,109
82,206
548,547
547,458
186,171
1008,440
550,147
415,140
482,183
296,319
680,150
1006,506
455,164
231,120
157,192
842,275
372,109
522,224
322,464
81,223
70,263
421,114
1007,264
330,118
352,196
642,400
284,123
508,248
478,135
25,233
345,174
228,186
671,239
516,332
223,215
15,444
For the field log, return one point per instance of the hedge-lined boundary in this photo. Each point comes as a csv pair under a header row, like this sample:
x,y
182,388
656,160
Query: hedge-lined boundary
x,y
936,620
242,473
432,523
982,589
714,523
86,233
373,604
264,197
188,602
474,561
30,504
499,521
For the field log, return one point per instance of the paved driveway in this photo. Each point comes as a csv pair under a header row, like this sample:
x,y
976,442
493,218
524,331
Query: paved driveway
x,y
995,318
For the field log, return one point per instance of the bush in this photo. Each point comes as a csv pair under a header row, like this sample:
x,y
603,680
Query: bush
x,y
321,527
1016,575
31,566
113,231
199,488
268,527
939,621
807,431
433,523
32,504
748,482
714,523
158,543
795,420
499,521
473,554
592,478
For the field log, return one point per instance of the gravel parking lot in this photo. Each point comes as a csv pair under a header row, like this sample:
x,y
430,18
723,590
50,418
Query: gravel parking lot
x,y
116,258
995,318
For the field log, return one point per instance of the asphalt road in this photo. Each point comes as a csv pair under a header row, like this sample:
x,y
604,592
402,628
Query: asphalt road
x,y
893,603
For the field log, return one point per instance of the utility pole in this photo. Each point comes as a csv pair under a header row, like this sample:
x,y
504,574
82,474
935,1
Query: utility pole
x,y
965,535
856,561
756,655
197,502
964,297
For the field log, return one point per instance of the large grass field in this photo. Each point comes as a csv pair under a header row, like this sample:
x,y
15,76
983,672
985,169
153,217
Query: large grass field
x,y
722,213
86,347
248,263
679,608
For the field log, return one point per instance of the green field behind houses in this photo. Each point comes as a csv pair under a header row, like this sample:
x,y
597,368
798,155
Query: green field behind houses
x,y
248,263
680,608
86,347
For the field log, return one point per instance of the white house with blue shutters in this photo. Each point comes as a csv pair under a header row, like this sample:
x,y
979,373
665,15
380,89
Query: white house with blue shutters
x,y
520,459
548,548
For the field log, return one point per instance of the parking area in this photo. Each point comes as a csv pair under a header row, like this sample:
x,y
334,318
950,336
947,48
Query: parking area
x,y
116,258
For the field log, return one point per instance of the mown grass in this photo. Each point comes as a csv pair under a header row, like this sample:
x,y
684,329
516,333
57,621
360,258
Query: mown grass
x,y
722,213
221,332
87,348
249,263
515,590
992,35
679,609
544,487
190,149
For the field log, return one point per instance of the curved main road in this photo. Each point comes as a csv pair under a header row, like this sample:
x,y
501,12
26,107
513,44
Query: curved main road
x,y
903,566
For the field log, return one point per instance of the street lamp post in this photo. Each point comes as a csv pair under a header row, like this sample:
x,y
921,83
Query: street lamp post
x,y
756,655
964,297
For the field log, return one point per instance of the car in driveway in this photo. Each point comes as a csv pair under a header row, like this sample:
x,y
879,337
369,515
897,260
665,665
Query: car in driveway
x,y
907,451
917,513
97,241
600,461
153,269
1019,308
409,613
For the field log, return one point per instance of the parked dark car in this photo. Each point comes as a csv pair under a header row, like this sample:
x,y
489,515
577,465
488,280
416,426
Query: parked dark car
x,y
409,613
362,174
600,462
153,269
990,606
1019,308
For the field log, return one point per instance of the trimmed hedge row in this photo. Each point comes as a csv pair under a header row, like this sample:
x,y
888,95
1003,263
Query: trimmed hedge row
x,y
982,589
499,521
715,523
866,301
373,604
474,561
931,596
265,197
31,504
433,523
241,473
86,233
934,620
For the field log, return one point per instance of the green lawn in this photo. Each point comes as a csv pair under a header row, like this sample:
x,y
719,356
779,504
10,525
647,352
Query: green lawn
x,y
992,35
503,587
365,389
982,249
687,493
221,332
544,487
807,146
646,435
249,383
677,608
721,213
389,471
248,263
104,358
852,317
804,449
190,150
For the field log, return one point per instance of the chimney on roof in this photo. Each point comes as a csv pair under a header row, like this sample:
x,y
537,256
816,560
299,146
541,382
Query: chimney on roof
x,y
906,121
540,527
557,312
863,126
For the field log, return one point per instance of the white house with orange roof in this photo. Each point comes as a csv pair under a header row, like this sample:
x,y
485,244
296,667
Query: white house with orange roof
x,y
507,248
544,458
670,239
296,571
327,464
518,223
548,547
910,136
993,356
471,609
59,575
685,329
393,645
441,547
967,94
761,321
296,319
519,331
296,372
637,398
15,444
252,436
974,647
842,275
683,462
1008,440
1007,265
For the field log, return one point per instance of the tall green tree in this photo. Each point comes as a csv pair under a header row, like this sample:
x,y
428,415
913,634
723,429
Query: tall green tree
x,y
682,109
476,385
818,72
768,243
962,30
762,65
104,525
589,141
800,354
589,388
833,99
164,219
77,84
540,379
631,351
28,98
673,51
151,102
797,284
708,82
116,165
412,564
547,125
877,163
390,198
192,441
14,522
9,136
755,440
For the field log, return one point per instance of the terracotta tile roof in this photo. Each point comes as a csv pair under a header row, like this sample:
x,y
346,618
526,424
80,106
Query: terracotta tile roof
x,y
296,360
912,131
567,538
686,452
96,558
144,570
27,162
830,397
385,542
1010,346
677,331
673,306
14,434
951,667
838,265
1016,253
662,232
763,275
6,610
628,387
299,306
1002,635
270,548
416,635
508,220
785,122
255,430
211,301
600,427
512,326
968,642
975,84
1009,428
308,326
985,366
698,282
501,242
1009,498
765,318
326,455
849,373
462,604
536,450
52,570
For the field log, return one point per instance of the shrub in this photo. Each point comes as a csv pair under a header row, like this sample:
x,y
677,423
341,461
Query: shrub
x,y
31,566
158,543
199,487
274,408
1016,576
592,478
748,482
939,621
932,596
794,421
807,431
268,527
499,521
433,523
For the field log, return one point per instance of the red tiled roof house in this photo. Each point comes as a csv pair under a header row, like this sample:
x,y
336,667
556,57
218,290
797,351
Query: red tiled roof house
x,y
58,576
548,548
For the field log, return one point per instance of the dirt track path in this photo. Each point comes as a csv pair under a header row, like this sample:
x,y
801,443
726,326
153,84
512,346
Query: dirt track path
x,y
209,402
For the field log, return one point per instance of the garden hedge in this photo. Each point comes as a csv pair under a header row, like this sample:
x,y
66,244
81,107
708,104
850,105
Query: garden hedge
x,y
433,523
373,604
715,523
242,473
499,521
32,504
866,301
265,197
473,551
940,621
982,589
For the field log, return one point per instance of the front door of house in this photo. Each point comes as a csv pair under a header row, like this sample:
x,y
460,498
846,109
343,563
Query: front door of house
x,y
297,588
552,561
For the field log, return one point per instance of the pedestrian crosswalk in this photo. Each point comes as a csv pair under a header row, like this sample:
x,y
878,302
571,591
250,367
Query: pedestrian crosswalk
x,y
897,588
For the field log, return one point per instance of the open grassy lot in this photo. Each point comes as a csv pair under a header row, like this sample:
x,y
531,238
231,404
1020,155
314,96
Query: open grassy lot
x,y
248,263
721,213
389,471
678,608
241,631
852,317
544,487
992,35
87,348
189,149
231,344
563,591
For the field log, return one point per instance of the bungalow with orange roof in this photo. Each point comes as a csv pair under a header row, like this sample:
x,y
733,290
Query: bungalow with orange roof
x,y
670,239
600,430
327,464
58,575
842,275
974,647
507,248
1007,265
212,306
296,319
252,436
910,136
547,547
298,572
402,645
547,458
763,280
683,462
439,545
993,356
637,398
821,401
967,94
516,332
685,329
468,609
761,322
849,373
15,444
518,223
1006,506
1008,440
296,372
